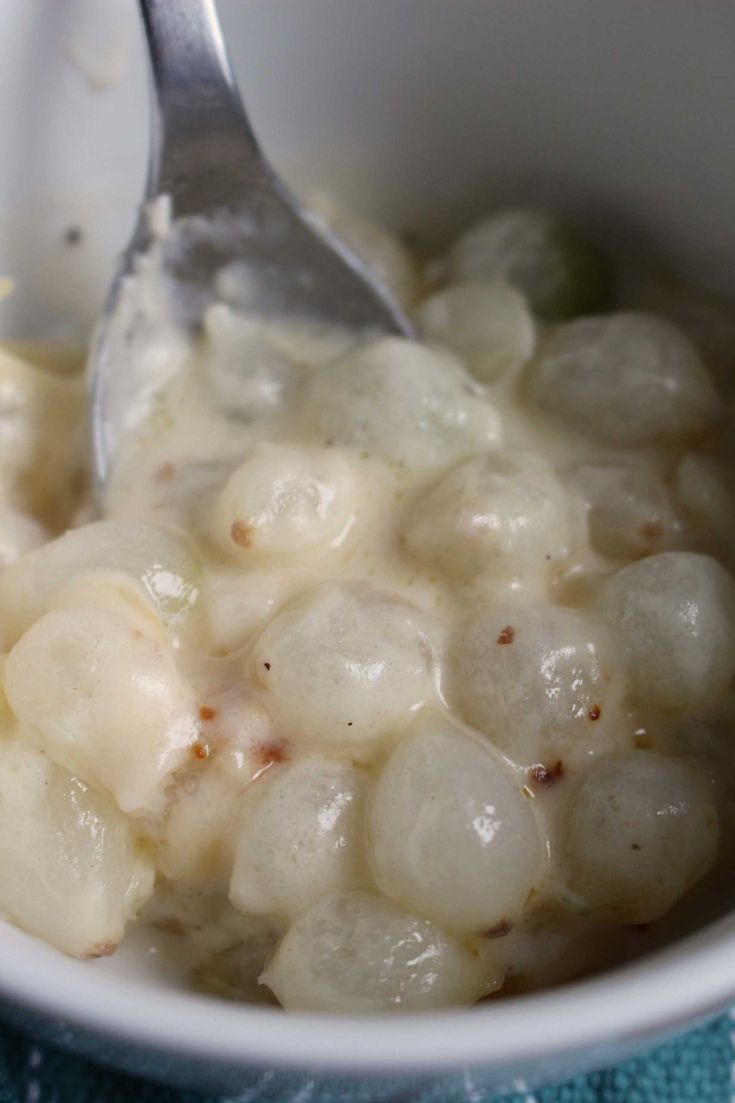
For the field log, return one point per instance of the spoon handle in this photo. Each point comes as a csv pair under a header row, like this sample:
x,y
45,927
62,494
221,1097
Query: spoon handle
x,y
203,151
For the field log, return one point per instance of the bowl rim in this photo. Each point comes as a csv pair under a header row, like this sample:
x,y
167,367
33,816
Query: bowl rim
x,y
657,995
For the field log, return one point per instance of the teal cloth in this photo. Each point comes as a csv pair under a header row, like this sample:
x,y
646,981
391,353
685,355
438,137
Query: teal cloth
x,y
697,1067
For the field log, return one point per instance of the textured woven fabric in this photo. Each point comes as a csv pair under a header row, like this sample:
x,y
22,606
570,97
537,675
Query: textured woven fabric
x,y
697,1067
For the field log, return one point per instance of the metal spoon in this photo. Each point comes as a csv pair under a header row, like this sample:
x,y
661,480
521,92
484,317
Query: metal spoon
x,y
228,206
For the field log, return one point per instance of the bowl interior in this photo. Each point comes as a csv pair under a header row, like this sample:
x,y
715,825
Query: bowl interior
x,y
423,112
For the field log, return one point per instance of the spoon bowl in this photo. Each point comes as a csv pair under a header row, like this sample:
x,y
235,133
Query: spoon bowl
x,y
216,222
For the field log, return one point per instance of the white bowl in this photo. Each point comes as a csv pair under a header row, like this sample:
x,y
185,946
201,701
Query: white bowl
x,y
425,111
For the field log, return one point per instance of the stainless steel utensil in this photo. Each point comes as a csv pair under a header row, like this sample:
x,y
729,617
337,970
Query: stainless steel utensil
x,y
229,207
